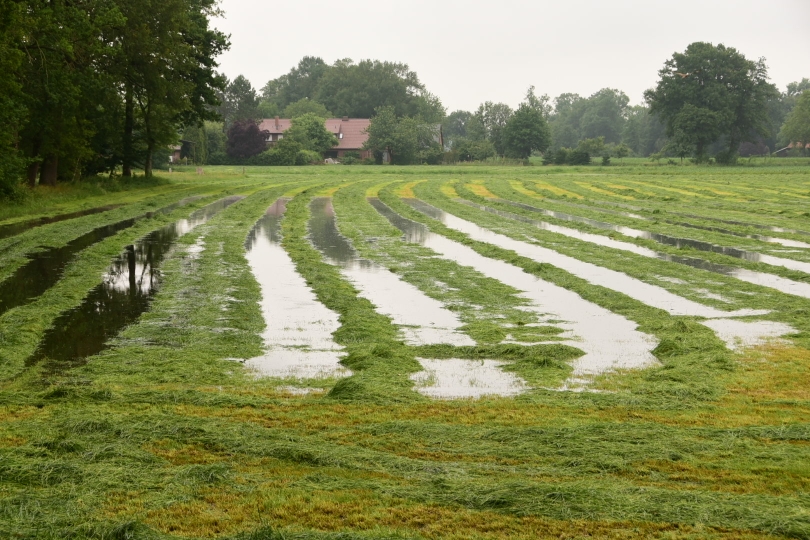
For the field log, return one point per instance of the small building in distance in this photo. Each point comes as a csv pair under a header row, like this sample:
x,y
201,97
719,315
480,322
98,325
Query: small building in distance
x,y
350,132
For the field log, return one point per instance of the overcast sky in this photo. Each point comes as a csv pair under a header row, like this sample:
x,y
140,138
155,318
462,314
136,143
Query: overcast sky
x,y
467,52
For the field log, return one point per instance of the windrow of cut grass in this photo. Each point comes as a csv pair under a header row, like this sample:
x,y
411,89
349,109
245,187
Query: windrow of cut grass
x,y
165,436
681,280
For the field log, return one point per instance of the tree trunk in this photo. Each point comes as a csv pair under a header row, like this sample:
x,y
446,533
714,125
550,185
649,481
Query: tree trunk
x,y
129,126
147,167
50,167
33,171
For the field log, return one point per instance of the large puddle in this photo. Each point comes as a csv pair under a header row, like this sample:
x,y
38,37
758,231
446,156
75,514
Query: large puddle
x,y
298,336
609,340
764,279
663,238
44,269
455,378
649,294
13,229
422,320
127,288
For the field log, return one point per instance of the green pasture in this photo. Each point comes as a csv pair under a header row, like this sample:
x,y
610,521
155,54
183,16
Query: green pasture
x,y
165,434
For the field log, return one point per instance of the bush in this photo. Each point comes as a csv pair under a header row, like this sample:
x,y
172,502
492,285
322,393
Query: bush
x,y
579,157
474,150
350,158
561,156
308,157
218,158
548,159
605,160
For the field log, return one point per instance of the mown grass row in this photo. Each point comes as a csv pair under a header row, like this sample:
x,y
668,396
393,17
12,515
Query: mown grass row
x,y
163,437
786,308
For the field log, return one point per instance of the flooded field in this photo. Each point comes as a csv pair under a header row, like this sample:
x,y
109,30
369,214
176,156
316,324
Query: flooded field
x,y
421,352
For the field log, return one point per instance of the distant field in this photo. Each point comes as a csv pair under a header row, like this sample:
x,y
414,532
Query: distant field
x,y
415,352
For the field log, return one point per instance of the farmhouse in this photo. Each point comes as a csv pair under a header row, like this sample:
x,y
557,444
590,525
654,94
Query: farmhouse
x,y
350,132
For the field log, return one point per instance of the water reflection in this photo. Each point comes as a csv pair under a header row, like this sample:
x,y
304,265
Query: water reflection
x,y
422,319
634,288
17,228
44,269
125,292
764,279
657,237
298,335
609,340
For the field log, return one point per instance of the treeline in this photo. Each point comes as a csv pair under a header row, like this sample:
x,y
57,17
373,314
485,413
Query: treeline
x,y
95,86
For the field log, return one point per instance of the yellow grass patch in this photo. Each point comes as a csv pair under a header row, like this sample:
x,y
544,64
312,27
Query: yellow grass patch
x,y
180,454
520,188
11,441
557,190
449,191
481,191
294,191
407,190
674,190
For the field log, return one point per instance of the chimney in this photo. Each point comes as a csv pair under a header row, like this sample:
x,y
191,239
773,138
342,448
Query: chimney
x,y
345,118
276,122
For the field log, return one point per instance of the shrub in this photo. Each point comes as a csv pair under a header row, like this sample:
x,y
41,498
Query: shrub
x,y
350,158
561,156
579,157
606,159
308,157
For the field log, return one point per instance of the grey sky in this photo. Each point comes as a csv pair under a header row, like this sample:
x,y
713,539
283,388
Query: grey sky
x,y
467,52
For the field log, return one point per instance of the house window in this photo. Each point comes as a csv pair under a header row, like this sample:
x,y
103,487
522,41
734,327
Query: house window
x,y
340,135
280,137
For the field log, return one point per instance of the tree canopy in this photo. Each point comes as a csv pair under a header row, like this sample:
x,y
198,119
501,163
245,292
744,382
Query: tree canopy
x,y
797,126
712,91
90,86
354,89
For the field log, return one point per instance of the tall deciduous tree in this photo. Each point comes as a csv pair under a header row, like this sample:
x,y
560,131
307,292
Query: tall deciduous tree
x,y
797,126
526,131
712,91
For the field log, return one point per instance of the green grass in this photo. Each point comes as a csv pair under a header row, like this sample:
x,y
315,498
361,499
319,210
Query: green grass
x,y
165,435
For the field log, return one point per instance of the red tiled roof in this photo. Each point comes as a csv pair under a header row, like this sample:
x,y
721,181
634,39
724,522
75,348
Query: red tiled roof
x,y
353,130
275,126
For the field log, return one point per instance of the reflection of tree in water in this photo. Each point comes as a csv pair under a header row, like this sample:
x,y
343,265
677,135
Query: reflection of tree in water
x,y
326,238
124,294
44,269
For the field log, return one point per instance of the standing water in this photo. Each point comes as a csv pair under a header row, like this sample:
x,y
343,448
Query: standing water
x,y
609,340
126,291
422,320
748,332
298,336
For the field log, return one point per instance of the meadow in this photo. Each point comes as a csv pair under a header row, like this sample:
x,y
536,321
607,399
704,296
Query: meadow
x,y
409,352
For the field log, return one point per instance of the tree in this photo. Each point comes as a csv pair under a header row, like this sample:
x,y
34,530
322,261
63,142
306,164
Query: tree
x,y
245,139
491,119
406,140
797,126
711,91
526,131
239,102
309,131
622,151
454,126
306,106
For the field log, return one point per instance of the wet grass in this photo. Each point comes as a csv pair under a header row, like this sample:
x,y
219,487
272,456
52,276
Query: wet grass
x,y
165,435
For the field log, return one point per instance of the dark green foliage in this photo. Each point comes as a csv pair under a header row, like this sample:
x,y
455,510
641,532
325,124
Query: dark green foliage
x,y
471,150
355,89
525,132
711,91
578,157
246,140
